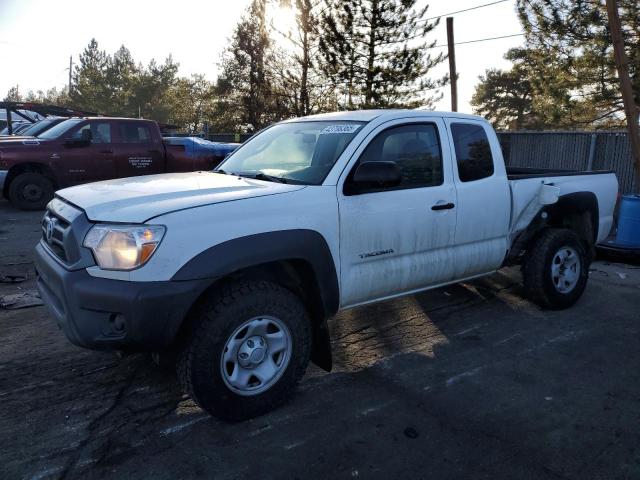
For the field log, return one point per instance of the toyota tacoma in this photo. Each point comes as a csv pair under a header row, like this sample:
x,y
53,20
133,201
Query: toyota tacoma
x,y
237,270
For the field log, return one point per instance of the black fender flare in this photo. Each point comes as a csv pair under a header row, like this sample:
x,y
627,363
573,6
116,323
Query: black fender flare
x,y
570,203
241,253
578,202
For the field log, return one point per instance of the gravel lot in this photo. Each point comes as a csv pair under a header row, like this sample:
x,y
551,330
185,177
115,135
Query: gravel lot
x,y
468,381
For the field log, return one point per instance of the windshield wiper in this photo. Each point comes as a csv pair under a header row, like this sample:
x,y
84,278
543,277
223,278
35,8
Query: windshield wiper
x,y
270,178
220,171
262,176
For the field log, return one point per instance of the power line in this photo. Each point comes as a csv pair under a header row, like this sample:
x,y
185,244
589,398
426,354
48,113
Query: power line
x,y
466,10
482,40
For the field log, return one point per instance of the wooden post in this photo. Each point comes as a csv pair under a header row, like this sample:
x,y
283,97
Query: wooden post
x,y
452,65
9,122
70,70
630,108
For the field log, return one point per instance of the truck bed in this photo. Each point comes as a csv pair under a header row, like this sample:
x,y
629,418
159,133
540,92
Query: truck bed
x,y
533,188
520,173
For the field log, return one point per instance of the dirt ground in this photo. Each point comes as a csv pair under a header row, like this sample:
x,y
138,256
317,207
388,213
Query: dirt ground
x,y
467,381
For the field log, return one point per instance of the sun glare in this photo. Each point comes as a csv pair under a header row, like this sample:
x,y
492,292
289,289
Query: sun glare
x,y
282,18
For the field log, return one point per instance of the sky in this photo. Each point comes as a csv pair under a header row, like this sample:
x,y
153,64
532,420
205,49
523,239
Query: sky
x,y
38,36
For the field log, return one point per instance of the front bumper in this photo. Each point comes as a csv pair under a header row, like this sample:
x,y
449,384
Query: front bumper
x,y
104,314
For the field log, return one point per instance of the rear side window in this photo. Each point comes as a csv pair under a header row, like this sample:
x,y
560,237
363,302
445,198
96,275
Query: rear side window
x,y
473,152
415,149
134,133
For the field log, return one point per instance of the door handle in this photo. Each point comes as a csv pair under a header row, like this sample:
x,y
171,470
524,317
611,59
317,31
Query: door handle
x,y
106,151
443,206
153,151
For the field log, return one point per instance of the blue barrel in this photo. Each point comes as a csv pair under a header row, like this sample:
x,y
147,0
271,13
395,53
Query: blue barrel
x,y
629,221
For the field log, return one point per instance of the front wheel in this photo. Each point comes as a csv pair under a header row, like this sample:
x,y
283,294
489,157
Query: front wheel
x,y
30,191
556,269
248,348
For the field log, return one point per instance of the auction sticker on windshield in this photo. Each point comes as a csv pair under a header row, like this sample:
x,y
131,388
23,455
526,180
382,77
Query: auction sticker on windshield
x,y
344,128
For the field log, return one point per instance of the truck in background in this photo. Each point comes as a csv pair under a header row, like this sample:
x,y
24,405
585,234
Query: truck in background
x,y
89,149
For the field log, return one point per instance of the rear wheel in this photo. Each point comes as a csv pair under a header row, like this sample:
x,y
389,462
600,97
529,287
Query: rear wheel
x,y
30,191
248,348
557,269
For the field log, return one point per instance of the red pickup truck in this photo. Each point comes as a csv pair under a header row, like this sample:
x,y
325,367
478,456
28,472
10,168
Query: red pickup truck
x,y
82,150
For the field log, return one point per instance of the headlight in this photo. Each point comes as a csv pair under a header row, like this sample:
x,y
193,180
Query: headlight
x,y
122,247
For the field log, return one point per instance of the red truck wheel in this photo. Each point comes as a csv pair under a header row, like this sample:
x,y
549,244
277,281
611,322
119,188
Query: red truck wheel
x,y
30,191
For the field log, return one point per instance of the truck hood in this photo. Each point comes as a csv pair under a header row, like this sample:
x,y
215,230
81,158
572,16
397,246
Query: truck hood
x,y
138,199
15,140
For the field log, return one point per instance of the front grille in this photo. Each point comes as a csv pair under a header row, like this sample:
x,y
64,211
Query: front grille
x,y
64,227
54,232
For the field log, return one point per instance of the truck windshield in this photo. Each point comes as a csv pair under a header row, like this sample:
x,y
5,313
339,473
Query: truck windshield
x,y
59,129
299,152
40,127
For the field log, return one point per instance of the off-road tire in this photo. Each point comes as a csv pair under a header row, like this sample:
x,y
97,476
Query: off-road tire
x,y
210,325
40,183
537,276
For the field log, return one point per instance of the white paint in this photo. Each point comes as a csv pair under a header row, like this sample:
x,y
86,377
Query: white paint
x,y
419,240
260,430
565,337
470,329
469,373
136,199
375,408
141,389
46,473
411,292
182,426
483,208
505,340
28,387
415,248
528,196
295,445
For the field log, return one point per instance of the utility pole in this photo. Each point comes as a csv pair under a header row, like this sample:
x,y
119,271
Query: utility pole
x,y
630,108
452,65
70,70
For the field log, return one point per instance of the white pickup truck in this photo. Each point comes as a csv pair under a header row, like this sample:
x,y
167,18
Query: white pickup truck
x,y
238,270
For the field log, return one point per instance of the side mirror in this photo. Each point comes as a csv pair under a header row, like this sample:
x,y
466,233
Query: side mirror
x,y
375,175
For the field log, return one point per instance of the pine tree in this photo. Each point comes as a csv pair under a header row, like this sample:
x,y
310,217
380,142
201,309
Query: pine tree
x,y
297,79
90,90
307,33
245,77
571,47
505,97
192,102
13,95
120,77
52,96
376,51
152,90
341,60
